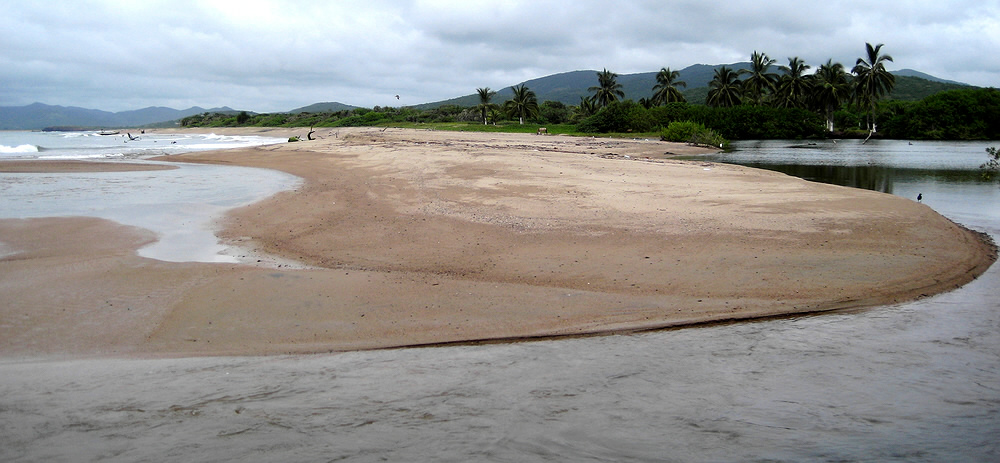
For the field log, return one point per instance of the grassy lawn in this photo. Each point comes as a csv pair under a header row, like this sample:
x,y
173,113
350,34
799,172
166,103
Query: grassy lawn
x,y
552,129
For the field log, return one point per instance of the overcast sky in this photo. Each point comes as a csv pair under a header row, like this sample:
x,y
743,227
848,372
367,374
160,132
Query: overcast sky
x,y
268,56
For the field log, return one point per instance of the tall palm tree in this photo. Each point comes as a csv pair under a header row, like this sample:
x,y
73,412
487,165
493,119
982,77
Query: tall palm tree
x,y
665,91
725,90
872,80
607,90
831,88
485,95
794,85
761,81
523,104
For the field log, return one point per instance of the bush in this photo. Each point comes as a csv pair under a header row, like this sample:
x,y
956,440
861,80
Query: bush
x,y
692,132
627,116
554,112
991,167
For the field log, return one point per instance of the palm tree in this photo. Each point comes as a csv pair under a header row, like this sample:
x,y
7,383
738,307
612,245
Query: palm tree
x,y
725,89
760,82
496,113
485,95
665,91
607,90
794,85
523,104
586,108
872,80
830,90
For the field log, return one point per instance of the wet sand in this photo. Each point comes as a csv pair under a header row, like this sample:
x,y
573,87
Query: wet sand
x,y
410,237
53,167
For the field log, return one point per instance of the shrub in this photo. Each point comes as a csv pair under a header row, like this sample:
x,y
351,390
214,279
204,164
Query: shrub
x,y
991,167
627,116
692,132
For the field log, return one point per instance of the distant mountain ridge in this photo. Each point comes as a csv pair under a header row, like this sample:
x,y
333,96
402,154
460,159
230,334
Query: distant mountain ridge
x,y
325,107
568,87
39,116
925,76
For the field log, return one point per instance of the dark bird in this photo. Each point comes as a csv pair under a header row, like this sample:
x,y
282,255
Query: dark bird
x,y
397,97
920,197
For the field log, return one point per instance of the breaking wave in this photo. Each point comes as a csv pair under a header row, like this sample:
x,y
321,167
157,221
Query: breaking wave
x,y
19,149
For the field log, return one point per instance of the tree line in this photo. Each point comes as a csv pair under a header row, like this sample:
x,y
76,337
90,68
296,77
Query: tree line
x,y
764,101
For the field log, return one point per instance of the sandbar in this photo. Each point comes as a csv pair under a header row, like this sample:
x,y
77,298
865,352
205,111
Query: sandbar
x,y
406,237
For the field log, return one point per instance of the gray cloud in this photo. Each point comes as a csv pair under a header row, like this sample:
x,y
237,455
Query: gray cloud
x,y
274,56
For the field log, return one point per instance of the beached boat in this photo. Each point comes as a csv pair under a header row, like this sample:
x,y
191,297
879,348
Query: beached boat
x,y
108,132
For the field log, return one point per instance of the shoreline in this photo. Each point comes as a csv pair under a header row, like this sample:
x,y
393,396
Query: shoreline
x,y
415,237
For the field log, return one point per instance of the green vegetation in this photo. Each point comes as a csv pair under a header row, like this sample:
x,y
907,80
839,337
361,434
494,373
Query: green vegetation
x,y
760,82
692,132
991,167
753,103
665,91
485,95
725,89
969,114
627,116
524,104
608,90
872,81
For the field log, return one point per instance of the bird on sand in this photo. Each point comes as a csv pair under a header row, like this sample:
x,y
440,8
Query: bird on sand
x,y
920,197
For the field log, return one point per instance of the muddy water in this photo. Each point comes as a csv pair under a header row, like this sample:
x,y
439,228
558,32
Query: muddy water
x,y
911,382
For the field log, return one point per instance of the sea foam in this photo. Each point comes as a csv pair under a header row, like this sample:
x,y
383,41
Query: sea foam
x,y
19,149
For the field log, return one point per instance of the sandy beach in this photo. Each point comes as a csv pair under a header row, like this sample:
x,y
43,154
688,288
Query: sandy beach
x,y
405,237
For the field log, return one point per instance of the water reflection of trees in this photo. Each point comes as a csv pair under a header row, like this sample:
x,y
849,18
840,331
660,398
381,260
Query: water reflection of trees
x,y
876,178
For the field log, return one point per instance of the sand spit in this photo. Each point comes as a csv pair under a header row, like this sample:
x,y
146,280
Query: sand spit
x,y
416,237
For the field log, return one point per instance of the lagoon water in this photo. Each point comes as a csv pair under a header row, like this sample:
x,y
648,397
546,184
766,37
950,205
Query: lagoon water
x,y
911,382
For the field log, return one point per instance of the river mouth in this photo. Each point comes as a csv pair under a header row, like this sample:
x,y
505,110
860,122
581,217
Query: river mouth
x,y
913,382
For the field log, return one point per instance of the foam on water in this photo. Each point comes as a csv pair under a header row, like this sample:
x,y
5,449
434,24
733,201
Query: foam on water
x,y
92,145
4,149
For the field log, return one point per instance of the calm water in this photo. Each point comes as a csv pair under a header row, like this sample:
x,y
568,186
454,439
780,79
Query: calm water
x,y
947,174
910,382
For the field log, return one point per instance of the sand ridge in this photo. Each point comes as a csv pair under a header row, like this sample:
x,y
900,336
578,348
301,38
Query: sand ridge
x,y
420,237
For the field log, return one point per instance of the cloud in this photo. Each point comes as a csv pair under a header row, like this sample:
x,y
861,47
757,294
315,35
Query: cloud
x,y
274,56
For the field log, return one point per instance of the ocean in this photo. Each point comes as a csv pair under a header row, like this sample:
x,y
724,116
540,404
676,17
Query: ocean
x,y
180,205
124,144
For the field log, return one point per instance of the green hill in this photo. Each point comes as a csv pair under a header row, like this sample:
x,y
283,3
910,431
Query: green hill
x,y
568,87
910,88
326,107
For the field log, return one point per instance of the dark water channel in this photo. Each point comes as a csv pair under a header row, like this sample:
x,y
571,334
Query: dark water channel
x,y
914,382
946,174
